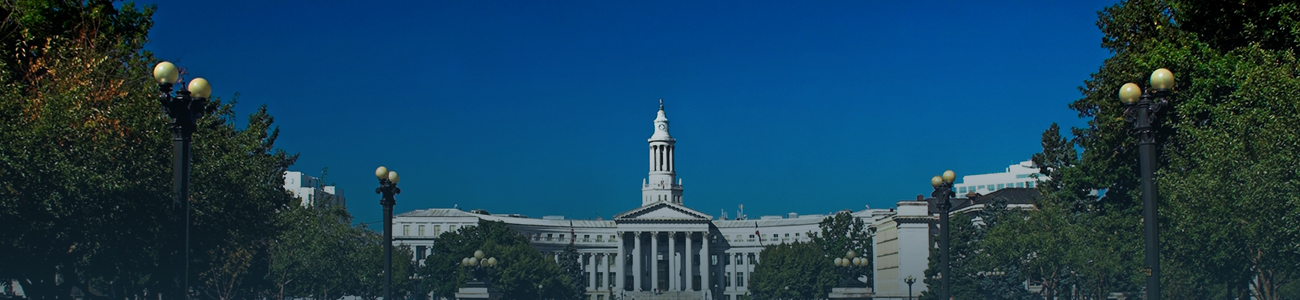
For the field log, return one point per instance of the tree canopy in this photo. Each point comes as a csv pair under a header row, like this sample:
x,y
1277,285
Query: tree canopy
x,y
85,170
520,267
805,270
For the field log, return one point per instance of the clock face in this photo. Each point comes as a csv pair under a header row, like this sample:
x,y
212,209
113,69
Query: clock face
x,y
663,127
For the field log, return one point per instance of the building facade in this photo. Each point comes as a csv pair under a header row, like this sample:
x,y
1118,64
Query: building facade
x,y
663,249
311,192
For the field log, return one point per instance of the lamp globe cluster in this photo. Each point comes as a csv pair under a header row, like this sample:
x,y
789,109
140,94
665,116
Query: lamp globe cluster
x,y
851,259
167,74
383,173
477,260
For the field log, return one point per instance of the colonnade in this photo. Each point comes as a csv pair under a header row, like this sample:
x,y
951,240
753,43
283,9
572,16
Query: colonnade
x,y
682,262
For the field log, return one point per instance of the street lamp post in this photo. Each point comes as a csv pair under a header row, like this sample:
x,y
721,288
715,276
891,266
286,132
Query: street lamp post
x,y
184,108
539,292
1142,110
909,281
387,188
942,192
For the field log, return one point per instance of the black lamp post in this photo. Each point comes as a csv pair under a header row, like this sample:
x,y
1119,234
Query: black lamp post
x,y
1142,111
388,187
942,193
184,108
909,281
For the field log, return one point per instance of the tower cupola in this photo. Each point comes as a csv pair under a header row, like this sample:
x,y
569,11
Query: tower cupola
x,y
662,184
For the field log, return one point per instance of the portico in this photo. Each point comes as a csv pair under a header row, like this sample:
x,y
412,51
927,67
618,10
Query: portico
x,y
665,246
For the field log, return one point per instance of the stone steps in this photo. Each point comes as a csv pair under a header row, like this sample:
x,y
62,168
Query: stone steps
x,y
670,295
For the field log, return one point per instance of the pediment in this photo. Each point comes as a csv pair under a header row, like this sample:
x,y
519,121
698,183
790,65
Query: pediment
x,y
662,211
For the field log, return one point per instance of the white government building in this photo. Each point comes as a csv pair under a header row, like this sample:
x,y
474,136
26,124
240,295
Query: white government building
x,y
684,253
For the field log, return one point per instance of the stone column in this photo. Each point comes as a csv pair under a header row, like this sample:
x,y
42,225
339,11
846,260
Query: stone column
x,y
672,261
704,263
654,260
618,261
636,261
690,255
591,271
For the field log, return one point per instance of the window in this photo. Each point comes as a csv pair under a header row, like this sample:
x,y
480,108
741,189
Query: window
x,y
1001,186
727,281
548,237
796,234
961,189
451,228
406,230
753,259
1020,184
419,252
437,229
1030,184
611,277
610,262
600,276
1022,176
586,237
613,238
600,238
740,278
562,237
421,230
740,259
600,297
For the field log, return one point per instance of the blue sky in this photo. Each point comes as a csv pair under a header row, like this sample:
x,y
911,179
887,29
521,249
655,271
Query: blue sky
x,y
544,107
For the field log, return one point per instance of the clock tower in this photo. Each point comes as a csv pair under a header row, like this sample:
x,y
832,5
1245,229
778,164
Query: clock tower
x,y
662,184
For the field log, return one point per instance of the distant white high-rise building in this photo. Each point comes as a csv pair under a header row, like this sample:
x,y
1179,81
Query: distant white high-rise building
x,y
1022,175
312,192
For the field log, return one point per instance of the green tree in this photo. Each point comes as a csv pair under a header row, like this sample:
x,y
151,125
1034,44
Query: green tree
x,y
793,271
571,264
521,268
842,233
1227,145
85,169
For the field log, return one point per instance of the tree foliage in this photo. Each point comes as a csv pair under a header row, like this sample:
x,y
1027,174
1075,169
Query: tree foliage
x,y
807,268
793,271
85,168
842,233
1227,149
521,268
319,256
571,264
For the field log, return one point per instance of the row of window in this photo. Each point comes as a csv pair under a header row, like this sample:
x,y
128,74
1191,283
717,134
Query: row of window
x,y
437,229
994,187
586,238
775,237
